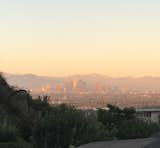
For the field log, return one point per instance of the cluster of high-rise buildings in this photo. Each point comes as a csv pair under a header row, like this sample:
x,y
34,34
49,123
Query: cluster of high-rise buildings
x,y
79,94
77,86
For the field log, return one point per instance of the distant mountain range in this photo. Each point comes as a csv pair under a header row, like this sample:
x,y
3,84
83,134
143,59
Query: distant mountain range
x,y
30,81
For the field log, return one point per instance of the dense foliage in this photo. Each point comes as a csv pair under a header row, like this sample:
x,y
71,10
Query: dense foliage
x,y
132,129
123,124
8,134
64,125
34,123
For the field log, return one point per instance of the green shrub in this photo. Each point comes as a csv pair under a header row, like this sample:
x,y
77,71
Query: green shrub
x,y
55,129
64,125
8,134
131,129
16,145
88,129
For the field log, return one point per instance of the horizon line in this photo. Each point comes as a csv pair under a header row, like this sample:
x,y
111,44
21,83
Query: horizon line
x,y
72,75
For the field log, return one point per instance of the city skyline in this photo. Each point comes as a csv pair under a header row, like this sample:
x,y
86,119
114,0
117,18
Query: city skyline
x,y
60,38
91,91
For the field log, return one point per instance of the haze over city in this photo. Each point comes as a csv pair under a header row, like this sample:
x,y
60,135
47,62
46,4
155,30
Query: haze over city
x,y
59,38
80,73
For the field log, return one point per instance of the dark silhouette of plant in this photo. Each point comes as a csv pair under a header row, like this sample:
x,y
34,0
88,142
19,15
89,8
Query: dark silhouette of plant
x,y
59,126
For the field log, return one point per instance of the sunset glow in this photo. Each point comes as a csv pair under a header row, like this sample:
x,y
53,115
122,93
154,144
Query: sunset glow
x,y
56,38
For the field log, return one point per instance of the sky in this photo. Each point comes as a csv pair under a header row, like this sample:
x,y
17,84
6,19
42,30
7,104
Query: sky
x,y
65,37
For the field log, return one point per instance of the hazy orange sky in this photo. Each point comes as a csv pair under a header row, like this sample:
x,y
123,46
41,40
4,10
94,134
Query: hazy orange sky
x,y
55,38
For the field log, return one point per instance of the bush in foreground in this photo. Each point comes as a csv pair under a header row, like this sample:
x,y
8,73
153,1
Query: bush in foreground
x,y
64,125
8,134
123,124
132,129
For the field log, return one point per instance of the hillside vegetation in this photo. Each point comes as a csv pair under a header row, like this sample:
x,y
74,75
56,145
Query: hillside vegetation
x,y
33,123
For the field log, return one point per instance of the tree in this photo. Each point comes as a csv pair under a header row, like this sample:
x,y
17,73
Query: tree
x,y
56,128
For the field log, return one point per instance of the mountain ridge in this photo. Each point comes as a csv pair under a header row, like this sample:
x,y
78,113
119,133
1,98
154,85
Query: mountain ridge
x,y
31,81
